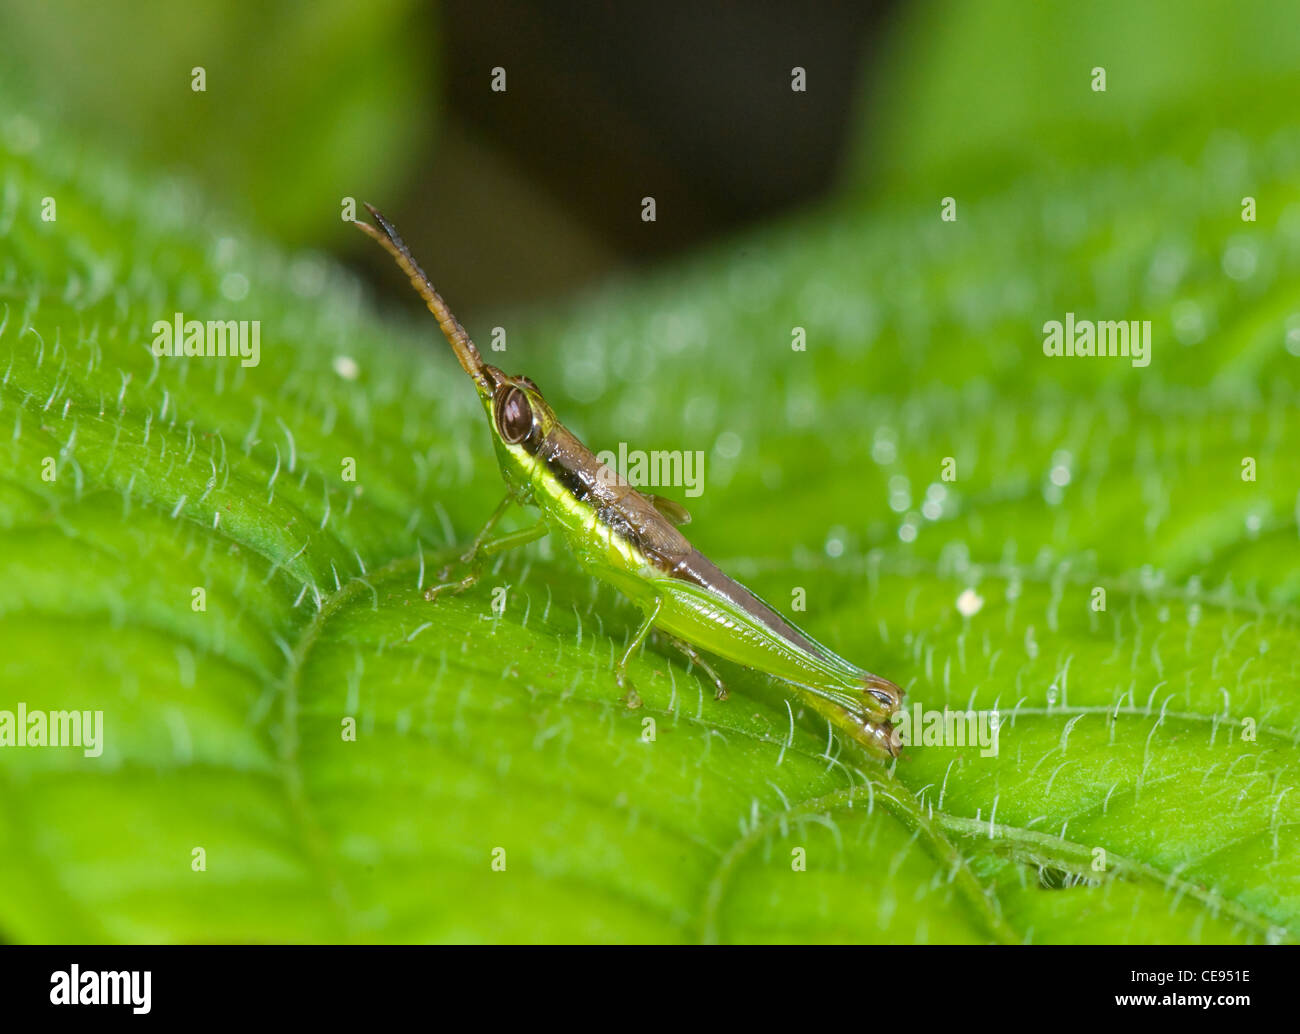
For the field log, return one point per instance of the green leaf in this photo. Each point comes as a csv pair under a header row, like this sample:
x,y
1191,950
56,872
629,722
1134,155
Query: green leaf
x,y
299,105
1161,731
969,94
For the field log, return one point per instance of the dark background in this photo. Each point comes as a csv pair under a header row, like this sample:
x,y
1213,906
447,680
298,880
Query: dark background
x,y
541,186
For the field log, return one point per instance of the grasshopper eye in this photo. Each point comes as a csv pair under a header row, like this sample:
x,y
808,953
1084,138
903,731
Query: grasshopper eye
x,y
514,416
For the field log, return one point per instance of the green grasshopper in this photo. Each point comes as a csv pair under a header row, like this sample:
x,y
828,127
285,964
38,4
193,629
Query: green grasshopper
x,y
630,540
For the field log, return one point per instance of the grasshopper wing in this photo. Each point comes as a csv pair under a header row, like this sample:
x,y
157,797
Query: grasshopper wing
x,y
670,509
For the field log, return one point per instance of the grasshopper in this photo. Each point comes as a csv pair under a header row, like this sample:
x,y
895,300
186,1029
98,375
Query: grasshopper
x,y
631,541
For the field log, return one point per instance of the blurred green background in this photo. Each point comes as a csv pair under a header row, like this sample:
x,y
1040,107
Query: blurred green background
x,y
1161,732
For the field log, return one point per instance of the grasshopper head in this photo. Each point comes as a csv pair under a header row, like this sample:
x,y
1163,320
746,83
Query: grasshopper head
x,y
515,408
520,420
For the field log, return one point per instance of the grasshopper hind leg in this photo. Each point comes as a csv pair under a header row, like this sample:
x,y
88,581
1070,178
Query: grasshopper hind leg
x,y
694,657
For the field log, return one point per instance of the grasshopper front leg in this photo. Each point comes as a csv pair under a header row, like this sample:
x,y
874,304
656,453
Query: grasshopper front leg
x,y
481,548
468,556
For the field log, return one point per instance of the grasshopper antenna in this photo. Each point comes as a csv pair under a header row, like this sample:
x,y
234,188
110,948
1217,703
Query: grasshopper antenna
x,y
460,342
